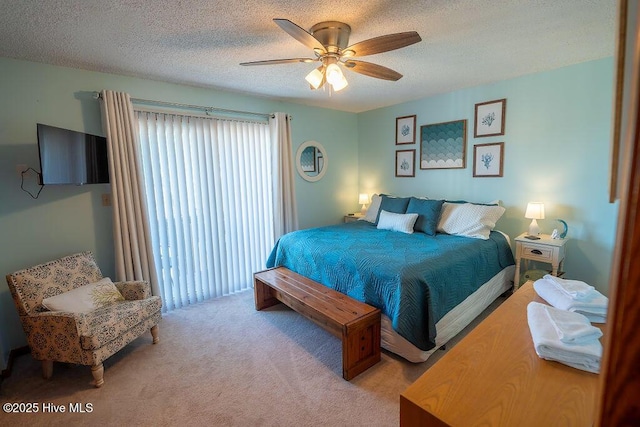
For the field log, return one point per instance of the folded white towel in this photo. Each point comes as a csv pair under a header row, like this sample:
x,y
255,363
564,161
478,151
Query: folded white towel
x,y
585,356
594,306
571,327
575,289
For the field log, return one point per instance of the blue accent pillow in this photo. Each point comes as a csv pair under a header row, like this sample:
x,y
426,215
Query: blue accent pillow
x,y
428,214
392,204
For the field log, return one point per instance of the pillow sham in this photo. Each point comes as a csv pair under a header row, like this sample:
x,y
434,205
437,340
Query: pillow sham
x,y
491,203
374,208
393,204
397,222
85,298
428,214
469,219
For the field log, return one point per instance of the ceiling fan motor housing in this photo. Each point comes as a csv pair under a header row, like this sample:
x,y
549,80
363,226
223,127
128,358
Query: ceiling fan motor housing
x,y
334,35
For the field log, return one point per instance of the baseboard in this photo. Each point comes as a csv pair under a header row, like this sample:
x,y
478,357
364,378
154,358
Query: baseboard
x,y
20,351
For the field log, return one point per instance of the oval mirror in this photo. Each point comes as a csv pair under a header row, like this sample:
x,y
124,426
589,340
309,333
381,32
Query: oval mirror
x,y
311,161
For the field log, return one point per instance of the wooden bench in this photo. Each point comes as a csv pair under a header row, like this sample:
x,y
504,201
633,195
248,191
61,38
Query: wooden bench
x,y
356,323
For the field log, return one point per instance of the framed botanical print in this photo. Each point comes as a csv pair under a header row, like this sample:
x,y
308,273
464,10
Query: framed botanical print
x,y
406,130
488,159
489,118
405,163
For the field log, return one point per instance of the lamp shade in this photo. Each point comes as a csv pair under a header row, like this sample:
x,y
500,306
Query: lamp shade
x,y
363,199
334,74
315,78
335,77
535,210
341,84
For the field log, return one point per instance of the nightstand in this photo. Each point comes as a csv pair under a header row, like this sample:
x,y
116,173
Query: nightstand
x,y
546,249
353,217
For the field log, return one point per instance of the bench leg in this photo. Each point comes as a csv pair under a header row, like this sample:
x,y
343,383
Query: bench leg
x,y
360,347
263,295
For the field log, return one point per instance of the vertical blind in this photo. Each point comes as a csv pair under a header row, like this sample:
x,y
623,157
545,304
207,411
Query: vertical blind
x,y
209,195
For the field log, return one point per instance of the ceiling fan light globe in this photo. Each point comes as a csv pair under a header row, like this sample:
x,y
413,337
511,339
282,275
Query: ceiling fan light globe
x,y
334,74
341,84
314,78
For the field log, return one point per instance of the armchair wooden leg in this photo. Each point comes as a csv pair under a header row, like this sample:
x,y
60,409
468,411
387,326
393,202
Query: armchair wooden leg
x,y
154,334
98,375
47,369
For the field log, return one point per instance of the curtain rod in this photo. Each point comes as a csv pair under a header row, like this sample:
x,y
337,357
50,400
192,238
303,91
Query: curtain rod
x,y
207,110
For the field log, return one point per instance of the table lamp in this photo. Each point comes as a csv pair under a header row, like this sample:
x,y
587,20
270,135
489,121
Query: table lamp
x,y
363,199
535,211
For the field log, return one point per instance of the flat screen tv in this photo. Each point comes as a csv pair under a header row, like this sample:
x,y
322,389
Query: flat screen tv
x,y
70,157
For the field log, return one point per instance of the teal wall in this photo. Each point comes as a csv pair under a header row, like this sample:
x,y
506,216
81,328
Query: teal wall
x,y
68,219
557,136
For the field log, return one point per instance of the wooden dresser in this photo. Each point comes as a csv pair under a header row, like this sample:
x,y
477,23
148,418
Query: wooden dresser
x,y
493,377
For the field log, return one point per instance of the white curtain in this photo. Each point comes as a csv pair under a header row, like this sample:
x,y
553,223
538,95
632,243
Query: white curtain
x,y
210,196
133,254
285,208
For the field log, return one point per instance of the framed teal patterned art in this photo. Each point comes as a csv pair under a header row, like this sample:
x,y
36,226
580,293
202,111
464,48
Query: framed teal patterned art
x,y
443,145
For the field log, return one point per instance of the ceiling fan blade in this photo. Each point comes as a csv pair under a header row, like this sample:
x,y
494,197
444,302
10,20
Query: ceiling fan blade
x,y
373,70
300,34
279,61
382,44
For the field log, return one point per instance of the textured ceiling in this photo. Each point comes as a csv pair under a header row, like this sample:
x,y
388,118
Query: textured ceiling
x,y
201,42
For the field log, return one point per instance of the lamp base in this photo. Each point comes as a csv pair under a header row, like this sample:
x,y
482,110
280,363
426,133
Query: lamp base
x,y
363,210
534,229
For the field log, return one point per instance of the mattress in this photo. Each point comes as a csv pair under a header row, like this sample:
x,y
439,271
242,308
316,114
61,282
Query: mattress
x,y
451,323
414,279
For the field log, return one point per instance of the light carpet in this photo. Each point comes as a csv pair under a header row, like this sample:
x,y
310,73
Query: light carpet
x,y
220,363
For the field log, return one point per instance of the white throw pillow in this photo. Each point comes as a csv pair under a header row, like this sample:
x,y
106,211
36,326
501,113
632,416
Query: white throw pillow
x,y
397,222
85,298
374,207
468,219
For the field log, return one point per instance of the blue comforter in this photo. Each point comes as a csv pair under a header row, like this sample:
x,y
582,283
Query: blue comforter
x,y
414,279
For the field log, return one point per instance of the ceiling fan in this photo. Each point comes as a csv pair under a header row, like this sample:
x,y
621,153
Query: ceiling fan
x,y
330,43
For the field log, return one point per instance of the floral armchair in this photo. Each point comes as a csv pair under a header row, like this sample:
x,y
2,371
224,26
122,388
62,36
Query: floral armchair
x,y
85,338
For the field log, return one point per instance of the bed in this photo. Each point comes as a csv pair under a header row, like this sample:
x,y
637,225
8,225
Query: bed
x,y
428,287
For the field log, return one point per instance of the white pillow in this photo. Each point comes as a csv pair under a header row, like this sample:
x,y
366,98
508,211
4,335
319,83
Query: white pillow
x,y
374,207
468,219
397,222
85,298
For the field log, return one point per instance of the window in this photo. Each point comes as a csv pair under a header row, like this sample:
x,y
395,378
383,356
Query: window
x,y
209,196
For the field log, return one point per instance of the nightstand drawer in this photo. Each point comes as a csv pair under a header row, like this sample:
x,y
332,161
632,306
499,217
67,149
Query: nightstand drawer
x,y
536,252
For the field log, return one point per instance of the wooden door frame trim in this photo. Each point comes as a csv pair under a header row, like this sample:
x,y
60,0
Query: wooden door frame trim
x,y
619,383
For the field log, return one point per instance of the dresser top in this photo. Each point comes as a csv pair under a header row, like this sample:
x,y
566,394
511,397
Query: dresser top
x,y
493,376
